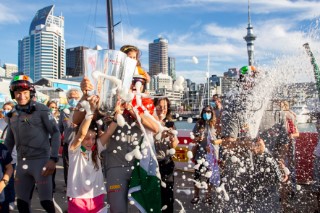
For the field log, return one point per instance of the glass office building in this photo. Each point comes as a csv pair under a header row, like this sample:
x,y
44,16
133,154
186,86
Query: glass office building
x,y
158,57
42,52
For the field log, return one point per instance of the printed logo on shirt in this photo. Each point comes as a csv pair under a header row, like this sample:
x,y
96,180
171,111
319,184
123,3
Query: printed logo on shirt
x,y
113,187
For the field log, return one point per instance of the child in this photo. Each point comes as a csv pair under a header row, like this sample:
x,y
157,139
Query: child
x,y
86,188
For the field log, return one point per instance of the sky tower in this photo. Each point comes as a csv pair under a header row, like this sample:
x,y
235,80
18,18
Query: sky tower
x,y
250,37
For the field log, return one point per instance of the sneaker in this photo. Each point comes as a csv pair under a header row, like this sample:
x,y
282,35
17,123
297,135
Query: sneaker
x,y
195,200
11,206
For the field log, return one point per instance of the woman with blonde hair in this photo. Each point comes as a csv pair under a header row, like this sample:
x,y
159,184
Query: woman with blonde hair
x,y
288,188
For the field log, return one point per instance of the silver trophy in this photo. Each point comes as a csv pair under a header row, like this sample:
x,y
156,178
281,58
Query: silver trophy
x,y
111,73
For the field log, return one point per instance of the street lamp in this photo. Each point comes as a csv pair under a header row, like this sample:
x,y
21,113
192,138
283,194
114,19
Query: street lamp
x,y
208,75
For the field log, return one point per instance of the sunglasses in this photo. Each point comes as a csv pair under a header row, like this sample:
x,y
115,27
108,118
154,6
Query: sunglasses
x,y
207,111
160,108
134,81
20,86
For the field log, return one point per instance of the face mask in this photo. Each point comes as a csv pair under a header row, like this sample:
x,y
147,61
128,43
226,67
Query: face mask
x,y
5,112
72,102
213,104
206,116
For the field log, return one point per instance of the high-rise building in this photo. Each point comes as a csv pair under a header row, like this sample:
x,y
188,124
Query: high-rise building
x,y
42,52
11,69
172,68
158,57
229,80
161,81
215,84
75,61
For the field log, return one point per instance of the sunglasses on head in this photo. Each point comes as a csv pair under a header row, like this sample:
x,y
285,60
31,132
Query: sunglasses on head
x,y
129,48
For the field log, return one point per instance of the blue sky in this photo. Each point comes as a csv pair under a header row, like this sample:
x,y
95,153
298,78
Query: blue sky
x,y
192,27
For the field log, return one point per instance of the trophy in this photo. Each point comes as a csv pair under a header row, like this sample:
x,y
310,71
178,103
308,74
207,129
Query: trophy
x,y
111,72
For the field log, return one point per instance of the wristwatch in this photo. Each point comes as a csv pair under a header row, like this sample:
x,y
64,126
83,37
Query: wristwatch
x,y
55,159
6,182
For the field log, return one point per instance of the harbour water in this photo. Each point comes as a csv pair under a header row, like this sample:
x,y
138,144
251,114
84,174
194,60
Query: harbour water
x,y
184,125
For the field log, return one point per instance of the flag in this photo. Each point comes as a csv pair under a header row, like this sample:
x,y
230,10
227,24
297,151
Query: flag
x,y
144,187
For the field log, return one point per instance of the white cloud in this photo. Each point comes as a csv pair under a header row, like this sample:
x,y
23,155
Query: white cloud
x,y
235,33
7,15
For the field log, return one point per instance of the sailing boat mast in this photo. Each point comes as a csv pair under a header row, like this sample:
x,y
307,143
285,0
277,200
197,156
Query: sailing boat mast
x,y
110,25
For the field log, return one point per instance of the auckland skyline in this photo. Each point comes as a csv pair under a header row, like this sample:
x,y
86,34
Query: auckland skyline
x,y
193,28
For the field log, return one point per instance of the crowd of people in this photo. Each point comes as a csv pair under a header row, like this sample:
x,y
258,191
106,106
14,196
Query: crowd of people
x,y
98,149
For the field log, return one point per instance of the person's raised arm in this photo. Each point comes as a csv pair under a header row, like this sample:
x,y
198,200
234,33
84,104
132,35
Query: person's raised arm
x,y
86,87
149,123
84,127
105,137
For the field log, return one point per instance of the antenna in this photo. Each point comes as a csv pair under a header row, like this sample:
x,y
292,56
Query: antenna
x,y
249,19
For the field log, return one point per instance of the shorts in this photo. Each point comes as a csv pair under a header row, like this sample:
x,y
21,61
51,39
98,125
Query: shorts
x,y
83,205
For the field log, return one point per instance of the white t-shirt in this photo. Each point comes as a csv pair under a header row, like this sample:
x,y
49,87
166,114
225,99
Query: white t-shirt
x,y
84,181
